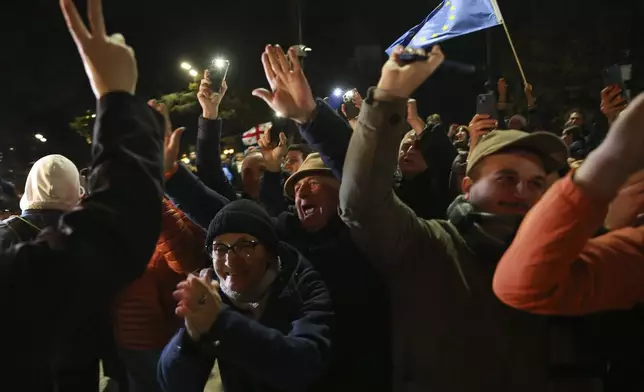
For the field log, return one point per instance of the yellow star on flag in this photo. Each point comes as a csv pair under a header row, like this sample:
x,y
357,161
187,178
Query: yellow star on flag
x,y
452,17
434,35
453,8
448,3
445,28
422,39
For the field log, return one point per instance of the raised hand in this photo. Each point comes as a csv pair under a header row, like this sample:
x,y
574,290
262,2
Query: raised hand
x,y
172,139
110,64
171,147
199,303
413,118
612,103
273,155
209,99
399,80
480,126
618,157
290,93
163,110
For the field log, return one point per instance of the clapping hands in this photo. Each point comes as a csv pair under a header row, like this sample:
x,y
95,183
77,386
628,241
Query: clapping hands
x,y
199,303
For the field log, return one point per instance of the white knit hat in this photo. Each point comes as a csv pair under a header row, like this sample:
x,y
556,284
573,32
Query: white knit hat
x,y
52,184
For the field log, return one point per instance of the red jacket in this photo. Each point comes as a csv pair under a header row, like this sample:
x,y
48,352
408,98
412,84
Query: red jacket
x,y
144,312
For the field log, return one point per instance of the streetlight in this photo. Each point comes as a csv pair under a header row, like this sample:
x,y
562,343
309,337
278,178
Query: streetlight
x,y
43,140
93,116
38,136
193,73
186,66
338,92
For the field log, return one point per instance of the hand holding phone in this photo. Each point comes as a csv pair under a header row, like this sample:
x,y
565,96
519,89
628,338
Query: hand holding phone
x,y
613,77
350,105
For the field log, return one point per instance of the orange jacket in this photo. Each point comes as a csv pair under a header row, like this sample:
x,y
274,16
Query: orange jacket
x,y
554,267
144,312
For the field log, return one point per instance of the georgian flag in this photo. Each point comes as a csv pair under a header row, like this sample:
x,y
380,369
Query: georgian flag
x,y
251,137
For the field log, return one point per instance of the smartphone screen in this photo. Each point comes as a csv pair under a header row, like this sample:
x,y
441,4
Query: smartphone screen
x,y
218,70
350,108
486,104
613,76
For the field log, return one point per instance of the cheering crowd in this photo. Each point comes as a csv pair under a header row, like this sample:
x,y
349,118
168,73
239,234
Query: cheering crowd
x,y
385,253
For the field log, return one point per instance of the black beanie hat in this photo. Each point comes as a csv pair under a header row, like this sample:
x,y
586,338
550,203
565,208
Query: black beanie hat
x,y
247,217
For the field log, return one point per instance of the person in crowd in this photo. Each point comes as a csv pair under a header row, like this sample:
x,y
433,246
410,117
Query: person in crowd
x,y
143,313
518,121
252,171
573,138
424,164
360,357
462,138
461,338
266,318
52,189
144,319
295,156
553,265
75,267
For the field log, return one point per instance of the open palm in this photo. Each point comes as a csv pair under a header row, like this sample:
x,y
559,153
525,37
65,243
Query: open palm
x,y
290,93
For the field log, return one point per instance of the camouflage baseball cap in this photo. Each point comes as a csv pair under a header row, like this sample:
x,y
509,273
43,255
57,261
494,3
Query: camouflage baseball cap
x,y
552,151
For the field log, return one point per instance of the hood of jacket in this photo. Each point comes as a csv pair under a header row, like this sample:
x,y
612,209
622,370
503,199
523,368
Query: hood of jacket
x,y
487,235
52,184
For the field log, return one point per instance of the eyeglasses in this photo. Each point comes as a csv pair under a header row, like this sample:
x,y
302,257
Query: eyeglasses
x,y
243,249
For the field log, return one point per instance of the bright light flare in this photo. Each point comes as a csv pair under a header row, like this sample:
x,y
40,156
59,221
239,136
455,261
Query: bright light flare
x,y
220,63
338,92
186,66
193,73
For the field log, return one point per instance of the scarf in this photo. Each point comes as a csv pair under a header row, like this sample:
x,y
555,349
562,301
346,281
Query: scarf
x,y
253,300
487,235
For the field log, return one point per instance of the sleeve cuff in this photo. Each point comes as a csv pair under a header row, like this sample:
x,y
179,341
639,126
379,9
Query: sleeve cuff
x,y
171,172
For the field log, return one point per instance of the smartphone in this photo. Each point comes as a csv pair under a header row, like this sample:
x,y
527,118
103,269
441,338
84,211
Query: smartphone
x,y
218,71
350,108
613,76
486,104
281,125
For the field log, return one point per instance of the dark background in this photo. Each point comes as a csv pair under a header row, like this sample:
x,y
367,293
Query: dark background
x,y
563,45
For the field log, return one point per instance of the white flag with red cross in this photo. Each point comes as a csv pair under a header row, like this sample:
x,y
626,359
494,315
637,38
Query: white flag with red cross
x,y
251,137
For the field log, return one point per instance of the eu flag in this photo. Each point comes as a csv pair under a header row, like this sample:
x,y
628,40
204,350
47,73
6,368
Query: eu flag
x,y
452,18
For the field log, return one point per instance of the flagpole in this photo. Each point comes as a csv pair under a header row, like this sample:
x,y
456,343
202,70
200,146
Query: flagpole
x,y
499,16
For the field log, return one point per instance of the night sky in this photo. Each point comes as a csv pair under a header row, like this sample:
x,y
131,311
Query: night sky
x,y
45,85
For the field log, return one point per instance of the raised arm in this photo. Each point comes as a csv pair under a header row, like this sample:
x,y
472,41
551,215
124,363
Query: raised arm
x,y
209,168
328,134
553,267
191,196
106,242
380,223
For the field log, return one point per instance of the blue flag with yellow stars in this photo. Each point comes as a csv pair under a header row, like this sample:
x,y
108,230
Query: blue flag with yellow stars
x,y
452,18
